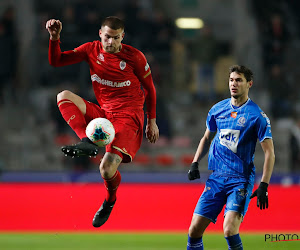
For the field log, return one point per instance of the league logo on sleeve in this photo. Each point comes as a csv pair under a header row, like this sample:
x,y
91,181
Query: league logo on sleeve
x,y
266,117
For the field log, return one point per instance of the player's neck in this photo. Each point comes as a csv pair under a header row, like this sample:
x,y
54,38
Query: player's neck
x,y
120,48
239,101
117,50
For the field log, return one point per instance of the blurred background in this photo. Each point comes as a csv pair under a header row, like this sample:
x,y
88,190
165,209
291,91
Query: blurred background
x,y
190,72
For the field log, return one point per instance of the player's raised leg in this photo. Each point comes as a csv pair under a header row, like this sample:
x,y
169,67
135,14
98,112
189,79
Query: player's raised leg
x,y
231,228
73,109
196,230
112,178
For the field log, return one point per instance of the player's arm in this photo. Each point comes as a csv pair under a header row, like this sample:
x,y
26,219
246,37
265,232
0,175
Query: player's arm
x,y
56,57
152,132
204,145
202,150
268,148
262,191
143,72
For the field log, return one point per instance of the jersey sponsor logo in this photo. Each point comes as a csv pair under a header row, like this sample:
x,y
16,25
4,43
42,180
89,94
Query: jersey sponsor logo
x,y
229,138
241,121
146,67
233,114
122,65
110,83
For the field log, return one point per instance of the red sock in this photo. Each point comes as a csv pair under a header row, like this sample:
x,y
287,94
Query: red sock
x,y
73,116
112,185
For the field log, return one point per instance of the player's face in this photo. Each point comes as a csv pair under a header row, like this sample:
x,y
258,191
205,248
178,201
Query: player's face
x,y
238,85
111,39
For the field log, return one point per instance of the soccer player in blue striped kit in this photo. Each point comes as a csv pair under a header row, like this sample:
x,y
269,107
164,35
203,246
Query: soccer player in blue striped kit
x,y
233,127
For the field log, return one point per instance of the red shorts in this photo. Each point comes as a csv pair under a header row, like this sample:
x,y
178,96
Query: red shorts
x,y
128,127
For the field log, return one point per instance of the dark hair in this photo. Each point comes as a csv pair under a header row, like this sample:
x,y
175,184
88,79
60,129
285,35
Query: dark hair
x,y
242,70
113,22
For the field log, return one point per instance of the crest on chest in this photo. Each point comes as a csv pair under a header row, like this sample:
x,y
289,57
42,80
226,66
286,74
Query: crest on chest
x,y
122,65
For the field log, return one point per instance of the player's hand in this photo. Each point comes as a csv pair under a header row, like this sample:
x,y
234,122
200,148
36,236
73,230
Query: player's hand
x,y
54,28
152,132
262,195
194,172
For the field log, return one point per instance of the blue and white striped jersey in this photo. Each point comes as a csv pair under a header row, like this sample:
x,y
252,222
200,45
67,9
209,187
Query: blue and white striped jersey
x,y
232,150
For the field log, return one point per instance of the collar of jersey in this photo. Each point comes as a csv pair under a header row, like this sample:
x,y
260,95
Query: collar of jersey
x,y
239,106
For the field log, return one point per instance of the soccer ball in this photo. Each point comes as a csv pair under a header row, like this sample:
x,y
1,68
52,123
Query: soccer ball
x,y
100,131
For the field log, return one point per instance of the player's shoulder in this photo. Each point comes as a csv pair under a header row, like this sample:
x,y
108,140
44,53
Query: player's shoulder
x,y
132,51
129,49
221,104
90,45
219,107
95,44
256,111
254,108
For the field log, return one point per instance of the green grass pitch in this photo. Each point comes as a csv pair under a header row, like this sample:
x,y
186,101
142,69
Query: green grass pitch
x,y
128,241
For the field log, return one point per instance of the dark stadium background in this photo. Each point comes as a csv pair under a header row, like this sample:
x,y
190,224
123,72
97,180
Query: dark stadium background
x,y
41,190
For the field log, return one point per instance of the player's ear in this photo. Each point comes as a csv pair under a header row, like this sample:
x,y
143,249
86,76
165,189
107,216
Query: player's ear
x,y
100,32
123,34
250,83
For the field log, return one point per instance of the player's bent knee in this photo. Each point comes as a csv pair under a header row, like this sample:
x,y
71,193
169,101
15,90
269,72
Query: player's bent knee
x,y
75,99
65,94
107,169
229,231
195,232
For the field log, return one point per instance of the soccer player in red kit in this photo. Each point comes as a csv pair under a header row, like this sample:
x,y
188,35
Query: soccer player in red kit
x,y
117,72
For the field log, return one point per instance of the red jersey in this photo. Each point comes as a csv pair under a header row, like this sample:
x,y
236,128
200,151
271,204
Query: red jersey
x,y
116,77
